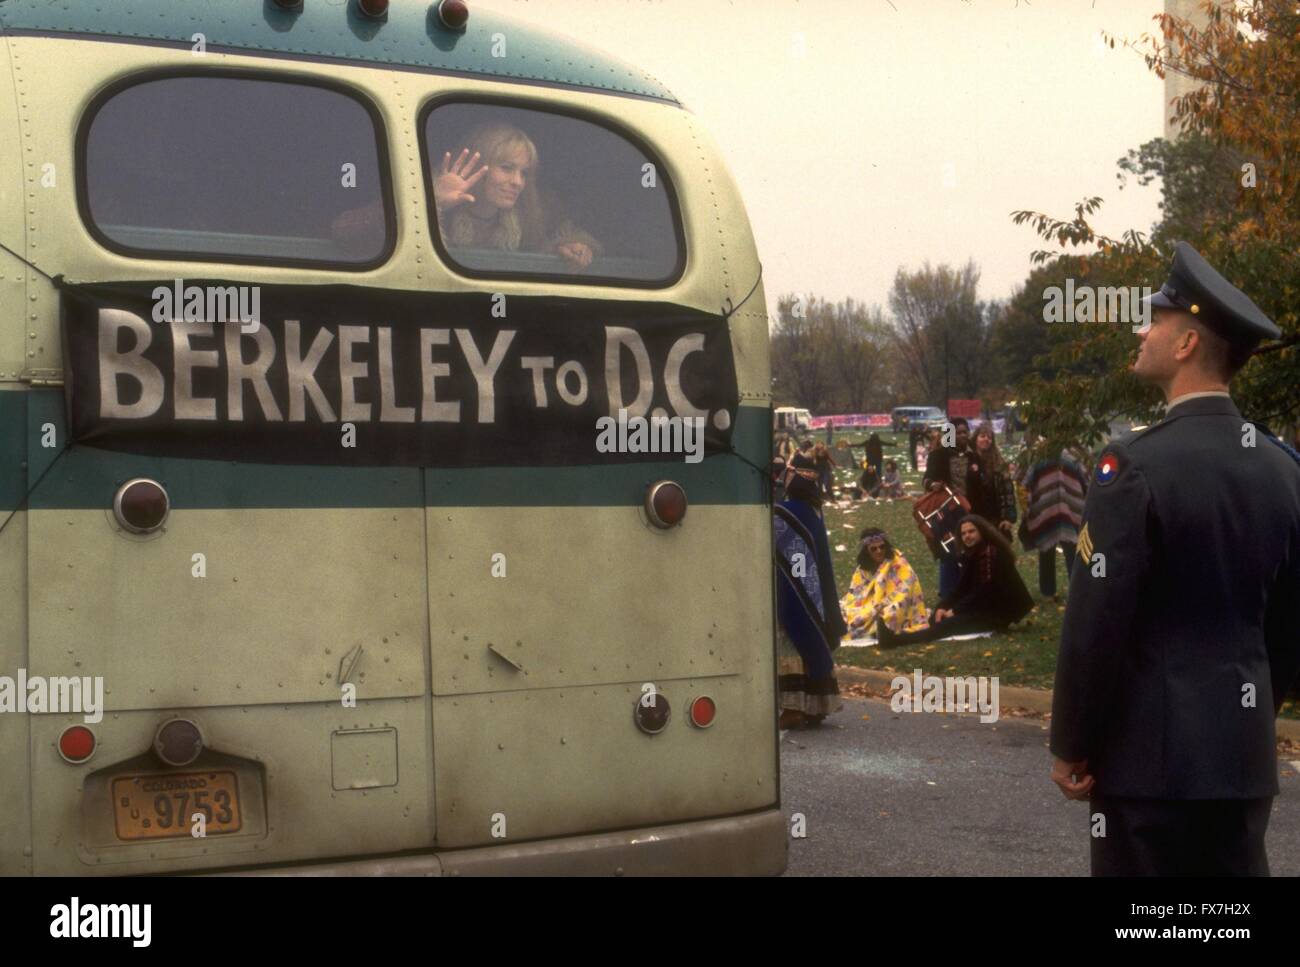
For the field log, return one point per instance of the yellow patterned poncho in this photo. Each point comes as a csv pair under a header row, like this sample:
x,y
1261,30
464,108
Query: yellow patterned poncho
x,y
892,592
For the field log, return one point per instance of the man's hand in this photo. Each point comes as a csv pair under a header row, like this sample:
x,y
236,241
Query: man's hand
x,y
1073,778
1006,526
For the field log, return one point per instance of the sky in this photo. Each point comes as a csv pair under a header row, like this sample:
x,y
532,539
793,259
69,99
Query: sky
x,y
869,135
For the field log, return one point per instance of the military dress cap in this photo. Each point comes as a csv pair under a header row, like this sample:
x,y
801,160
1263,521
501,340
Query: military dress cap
x,y
1194,286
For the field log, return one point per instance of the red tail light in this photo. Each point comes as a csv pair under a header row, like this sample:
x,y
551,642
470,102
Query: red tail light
x,y
703,711
77,743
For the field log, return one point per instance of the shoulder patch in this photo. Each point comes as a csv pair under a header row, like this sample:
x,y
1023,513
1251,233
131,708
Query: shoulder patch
x,y
1109,466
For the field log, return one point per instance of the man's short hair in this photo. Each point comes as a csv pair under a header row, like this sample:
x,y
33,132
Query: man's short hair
x,y
961,421
1223,356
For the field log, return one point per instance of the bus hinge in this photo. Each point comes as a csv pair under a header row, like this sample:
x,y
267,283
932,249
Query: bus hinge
x,y
42,377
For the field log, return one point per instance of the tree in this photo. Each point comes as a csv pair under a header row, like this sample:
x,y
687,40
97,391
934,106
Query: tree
x,y
857,344
941,331
798,361
830,357
1242,215
1191,191
1019,339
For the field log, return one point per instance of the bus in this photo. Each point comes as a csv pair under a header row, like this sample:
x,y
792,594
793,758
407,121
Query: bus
x,y
313,319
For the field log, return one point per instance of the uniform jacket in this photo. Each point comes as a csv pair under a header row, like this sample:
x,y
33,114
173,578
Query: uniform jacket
x,y
1199,604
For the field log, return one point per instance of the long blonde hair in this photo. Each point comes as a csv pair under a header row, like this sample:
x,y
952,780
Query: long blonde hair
x,y
495,142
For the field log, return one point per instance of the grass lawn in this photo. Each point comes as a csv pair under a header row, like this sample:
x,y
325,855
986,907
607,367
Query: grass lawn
x,y
1024,655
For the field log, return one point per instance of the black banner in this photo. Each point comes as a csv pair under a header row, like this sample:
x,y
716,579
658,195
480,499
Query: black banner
x,y
344,375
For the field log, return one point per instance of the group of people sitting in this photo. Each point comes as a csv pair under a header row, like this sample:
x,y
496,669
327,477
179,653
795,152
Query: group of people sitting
x,y
885,596
879,478
886,593
886,484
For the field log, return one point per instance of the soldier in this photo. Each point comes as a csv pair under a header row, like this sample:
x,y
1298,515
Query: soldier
x,y
1182,633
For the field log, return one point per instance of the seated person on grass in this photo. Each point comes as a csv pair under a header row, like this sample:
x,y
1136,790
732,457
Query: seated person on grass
x,y
989,595
869,482
885,589
891,484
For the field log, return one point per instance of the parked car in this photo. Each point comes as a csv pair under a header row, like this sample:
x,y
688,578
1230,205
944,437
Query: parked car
x,y
907,416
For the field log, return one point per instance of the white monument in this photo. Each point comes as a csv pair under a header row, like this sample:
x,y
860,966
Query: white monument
x,y
1177,85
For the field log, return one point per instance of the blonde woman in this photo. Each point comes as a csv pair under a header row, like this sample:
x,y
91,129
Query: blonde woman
x,y
497,204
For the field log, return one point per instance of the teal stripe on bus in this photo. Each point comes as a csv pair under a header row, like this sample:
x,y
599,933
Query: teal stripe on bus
x,y
409,38
86,478
13,449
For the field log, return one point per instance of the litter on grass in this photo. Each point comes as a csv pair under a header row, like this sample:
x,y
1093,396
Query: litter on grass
x,y
872,642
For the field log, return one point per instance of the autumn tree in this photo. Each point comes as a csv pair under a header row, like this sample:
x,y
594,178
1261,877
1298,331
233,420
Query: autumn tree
x,y
1230,187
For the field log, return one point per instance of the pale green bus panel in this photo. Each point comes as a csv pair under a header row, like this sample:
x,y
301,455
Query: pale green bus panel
x,y
15,790
492,711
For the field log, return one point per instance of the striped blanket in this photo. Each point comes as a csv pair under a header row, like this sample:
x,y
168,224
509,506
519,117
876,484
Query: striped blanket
x,y
1056,490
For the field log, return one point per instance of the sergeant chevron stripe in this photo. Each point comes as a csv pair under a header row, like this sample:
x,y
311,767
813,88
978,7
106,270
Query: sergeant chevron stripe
x,y
1085,544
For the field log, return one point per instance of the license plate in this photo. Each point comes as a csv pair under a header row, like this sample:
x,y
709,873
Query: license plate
x,y
159,807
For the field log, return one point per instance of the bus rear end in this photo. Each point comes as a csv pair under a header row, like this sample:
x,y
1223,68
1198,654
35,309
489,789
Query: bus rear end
x,y
371,566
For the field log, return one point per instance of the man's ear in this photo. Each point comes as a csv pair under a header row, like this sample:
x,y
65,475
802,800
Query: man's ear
x,y
1187,340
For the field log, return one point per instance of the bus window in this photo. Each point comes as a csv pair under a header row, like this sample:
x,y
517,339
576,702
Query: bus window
x,y
528,193
236,169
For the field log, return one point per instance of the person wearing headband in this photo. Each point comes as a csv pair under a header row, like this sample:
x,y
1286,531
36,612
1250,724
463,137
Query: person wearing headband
x,y
884,589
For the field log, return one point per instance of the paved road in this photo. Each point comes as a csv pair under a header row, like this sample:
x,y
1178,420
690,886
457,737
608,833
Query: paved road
x,y
929,794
